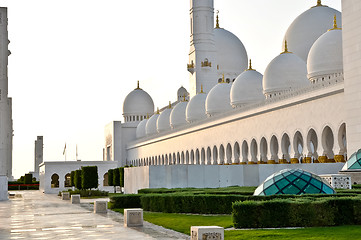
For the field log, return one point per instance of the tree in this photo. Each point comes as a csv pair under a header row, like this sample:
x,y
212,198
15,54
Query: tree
x,y
72,178
89,177
77,179
28,179
121,176
110,177
116,177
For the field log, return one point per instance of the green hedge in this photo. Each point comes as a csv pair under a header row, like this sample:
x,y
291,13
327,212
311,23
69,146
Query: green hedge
x,y
72,178
301,212
87,193
125,201
121,176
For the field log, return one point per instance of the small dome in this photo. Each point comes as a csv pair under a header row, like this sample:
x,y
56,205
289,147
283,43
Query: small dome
x,y
326,56
285,72
247,88
354,162
196,108
151,126
181,93
163,122
308,27
140,132
218,100
178,114
293,181
231,54
138,103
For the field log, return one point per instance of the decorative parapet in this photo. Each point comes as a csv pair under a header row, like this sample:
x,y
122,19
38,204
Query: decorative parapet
x,y
206,63
190,67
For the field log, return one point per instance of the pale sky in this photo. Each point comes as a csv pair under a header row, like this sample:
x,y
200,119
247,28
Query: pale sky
x,y
74,61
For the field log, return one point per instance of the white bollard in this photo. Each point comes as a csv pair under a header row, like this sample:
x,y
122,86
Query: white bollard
x,y
207,233
65,196
75,199
100,206
133,217
3,188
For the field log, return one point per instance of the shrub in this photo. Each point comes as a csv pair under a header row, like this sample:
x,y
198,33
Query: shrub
x,y
121,176
28,178
301,212
77,179
89,177
87,193
125,201
72,178
110,177
116,177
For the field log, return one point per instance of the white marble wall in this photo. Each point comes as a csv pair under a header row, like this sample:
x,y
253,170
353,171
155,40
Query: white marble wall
x,y
3,188
211,176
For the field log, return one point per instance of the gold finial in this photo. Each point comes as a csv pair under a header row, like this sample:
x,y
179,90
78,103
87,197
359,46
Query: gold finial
x,y
286,48
138,85
147,115
158,110
223,78
335,24
201,89
217,20
184,97
170,105
250,65
319,3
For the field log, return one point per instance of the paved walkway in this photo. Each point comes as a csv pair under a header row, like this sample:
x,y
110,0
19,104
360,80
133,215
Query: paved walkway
x,y
35,215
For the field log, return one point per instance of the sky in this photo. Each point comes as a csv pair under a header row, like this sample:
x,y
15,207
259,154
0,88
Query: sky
x,y
74,61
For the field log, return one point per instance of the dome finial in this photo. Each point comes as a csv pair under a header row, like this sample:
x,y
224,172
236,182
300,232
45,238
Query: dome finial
x,y
201,89
250,65
170,105
157,110
335,24
147,115
138,85
286,48
217,20
222,78
319,3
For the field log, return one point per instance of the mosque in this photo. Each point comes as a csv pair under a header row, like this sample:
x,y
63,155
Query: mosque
x,y
236,126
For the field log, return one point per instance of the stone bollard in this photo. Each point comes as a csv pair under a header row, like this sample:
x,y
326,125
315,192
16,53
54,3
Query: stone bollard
x,y
100,206
75,199
133,217
65,196
207,233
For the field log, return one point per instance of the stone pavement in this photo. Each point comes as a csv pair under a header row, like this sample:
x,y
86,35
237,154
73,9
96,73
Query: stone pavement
x,y
35,215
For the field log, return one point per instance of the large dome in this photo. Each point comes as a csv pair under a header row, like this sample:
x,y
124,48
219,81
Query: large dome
x,y
163,122
285,72
218,100
247,88
308,27
151,126
196,108
178,114
140,132
325,56
293,181
138,102
231,54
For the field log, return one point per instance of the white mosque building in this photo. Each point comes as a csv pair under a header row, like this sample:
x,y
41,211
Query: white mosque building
x,y
236,126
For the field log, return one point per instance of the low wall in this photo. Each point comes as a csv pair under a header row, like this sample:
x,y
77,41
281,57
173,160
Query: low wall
x,y
211,176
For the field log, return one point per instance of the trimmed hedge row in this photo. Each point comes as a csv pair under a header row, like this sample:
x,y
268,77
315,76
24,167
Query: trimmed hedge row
x,y
125,201
297,212
200,203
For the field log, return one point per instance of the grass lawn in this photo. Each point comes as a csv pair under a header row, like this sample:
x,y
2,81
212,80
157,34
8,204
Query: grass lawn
x,y
319,233
183,222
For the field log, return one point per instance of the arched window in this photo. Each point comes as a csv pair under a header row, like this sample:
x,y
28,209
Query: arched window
x,y
55,181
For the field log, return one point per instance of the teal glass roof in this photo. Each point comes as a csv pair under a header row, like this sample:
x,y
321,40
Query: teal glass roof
x,y
293,181
354,162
